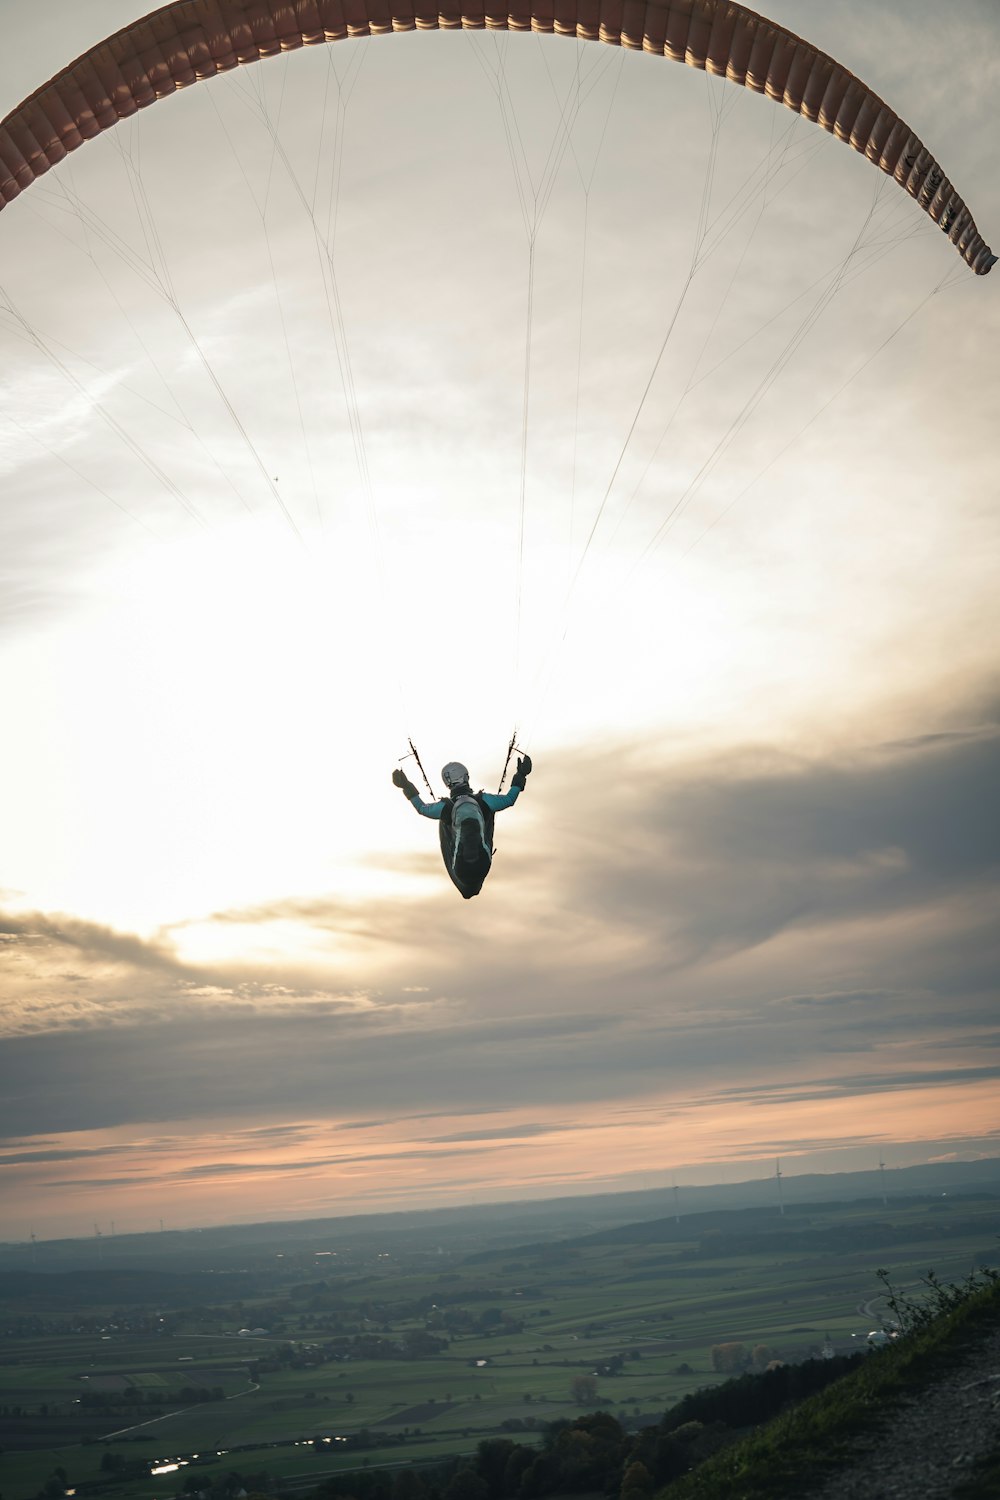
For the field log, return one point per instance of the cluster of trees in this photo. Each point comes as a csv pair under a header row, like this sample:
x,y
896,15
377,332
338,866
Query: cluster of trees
x,y
321,1297
754,1398
595,1454
490,1321
583,1388
591,1455
416,1343
615,1363
117,1466
287,1357
131,1396
55,1486
732,1357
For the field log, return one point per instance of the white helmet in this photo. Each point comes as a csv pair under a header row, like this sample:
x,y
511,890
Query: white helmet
x,y
454,774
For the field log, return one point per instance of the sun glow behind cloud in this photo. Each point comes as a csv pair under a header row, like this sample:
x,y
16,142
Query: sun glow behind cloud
x,y
206,716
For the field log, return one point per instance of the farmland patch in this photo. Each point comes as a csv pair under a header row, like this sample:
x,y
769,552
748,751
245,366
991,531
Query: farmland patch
x,y
426,1411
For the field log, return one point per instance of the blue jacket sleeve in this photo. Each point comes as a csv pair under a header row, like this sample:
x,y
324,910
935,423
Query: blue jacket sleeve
x,y
498,803
427,809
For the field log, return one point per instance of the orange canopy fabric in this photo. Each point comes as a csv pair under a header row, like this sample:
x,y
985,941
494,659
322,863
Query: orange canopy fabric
x,y
189,40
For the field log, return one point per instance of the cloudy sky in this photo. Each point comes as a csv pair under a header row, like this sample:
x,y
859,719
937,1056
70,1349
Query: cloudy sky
x,y
276,496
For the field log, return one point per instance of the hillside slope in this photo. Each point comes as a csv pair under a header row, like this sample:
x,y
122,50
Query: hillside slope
x,y
935,1439
919,1421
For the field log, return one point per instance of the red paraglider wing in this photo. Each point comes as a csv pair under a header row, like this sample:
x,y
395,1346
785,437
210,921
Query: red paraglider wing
x,y
190,40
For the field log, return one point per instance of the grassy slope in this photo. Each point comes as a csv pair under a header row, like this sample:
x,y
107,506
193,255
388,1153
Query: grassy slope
x,y
813,1439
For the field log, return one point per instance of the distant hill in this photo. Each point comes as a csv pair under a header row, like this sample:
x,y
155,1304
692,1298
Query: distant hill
x,y
231,1249
735,1231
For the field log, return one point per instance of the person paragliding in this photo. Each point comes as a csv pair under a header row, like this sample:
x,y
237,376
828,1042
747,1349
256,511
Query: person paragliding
x,y
465,820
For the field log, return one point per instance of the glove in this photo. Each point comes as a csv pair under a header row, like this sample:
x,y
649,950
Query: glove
x,y
522,773
399,779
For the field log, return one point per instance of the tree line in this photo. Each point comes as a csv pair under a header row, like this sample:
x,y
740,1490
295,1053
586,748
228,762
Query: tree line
x,y
594,1453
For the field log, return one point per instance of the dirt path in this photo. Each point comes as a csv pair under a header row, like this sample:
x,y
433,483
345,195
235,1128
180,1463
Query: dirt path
x,y
931,1439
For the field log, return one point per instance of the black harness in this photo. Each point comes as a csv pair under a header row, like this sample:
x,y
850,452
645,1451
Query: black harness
x,y
446,824
446,835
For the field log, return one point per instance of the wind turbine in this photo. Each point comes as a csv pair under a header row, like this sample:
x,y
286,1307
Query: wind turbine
x,y
781,1196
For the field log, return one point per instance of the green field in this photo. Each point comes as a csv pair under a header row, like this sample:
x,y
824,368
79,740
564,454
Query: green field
x,y
350,1355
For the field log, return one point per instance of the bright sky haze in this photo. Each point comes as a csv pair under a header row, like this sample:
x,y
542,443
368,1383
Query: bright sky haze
x,y
440,384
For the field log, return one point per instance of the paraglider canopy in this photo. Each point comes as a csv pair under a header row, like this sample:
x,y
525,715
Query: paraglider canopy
x,y
192,40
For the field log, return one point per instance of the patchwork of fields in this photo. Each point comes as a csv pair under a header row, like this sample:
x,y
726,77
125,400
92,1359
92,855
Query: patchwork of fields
x,y
391,1356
